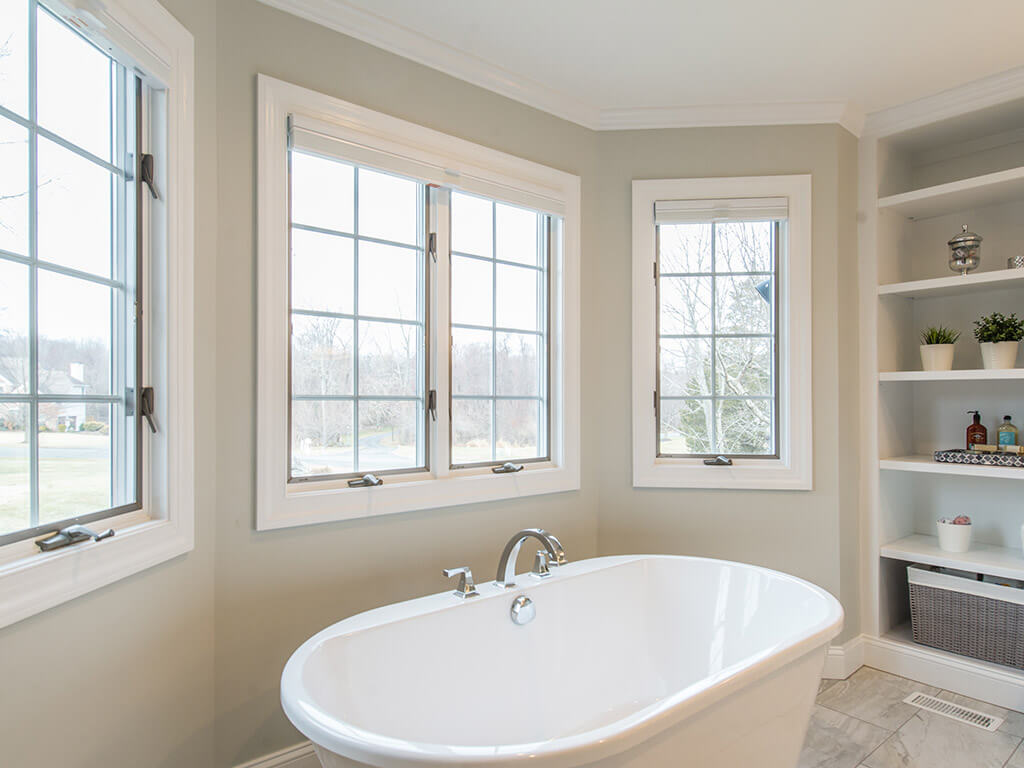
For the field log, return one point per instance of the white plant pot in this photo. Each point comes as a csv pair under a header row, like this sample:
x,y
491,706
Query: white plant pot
x,y
937,357
999,354
953,538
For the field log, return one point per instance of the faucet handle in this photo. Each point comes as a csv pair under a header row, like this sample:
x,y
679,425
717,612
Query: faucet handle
x,y
540,564
466,587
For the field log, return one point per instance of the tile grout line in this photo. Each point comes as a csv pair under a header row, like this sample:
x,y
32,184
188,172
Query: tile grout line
x,y
863,763
1014,752
858,719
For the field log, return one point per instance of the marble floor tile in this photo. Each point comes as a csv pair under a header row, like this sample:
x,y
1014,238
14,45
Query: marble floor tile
x,y
825,684
875,697
1016,759
835,740
1013,721
928,740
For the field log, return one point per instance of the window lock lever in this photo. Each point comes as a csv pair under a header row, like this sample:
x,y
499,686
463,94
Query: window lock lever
x,y
507,468
718,461
147,406
148,175
366,481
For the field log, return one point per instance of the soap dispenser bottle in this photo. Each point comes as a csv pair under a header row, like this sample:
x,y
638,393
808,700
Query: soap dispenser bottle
x,y
1007,432
976,432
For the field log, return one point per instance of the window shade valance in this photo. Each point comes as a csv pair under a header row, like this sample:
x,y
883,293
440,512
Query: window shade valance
x,y
728,209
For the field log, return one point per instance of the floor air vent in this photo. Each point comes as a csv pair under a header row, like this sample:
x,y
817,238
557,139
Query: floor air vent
x,y
954,711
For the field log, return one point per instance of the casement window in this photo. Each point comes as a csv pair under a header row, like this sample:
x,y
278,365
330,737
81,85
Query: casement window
x,y
722,333
95,229
69,267
358,319
418,316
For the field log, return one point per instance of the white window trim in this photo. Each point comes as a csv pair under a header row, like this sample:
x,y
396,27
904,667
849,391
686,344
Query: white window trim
x,y
144,34
452,162
793,470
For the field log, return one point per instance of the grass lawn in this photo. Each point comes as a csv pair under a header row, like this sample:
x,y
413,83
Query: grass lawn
x,y
75,481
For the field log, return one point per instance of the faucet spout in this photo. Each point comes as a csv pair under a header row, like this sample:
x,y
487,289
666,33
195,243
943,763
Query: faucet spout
x,y
506,575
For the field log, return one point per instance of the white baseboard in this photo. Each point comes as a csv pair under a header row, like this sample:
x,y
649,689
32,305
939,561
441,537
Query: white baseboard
x,y
297,756
843,660
979,680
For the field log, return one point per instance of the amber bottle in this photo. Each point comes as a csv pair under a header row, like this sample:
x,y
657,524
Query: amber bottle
x,y
976,432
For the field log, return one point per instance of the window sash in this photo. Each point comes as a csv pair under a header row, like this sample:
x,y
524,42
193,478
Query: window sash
x,y
714,211
420,322
125,451
543,332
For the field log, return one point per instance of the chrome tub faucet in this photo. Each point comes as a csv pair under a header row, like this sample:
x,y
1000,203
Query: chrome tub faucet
x,y
552,554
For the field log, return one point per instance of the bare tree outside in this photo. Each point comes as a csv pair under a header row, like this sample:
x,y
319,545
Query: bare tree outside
x,y
717,345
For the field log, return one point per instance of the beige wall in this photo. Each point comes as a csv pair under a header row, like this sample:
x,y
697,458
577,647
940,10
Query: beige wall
x,y
179,666
123,677
798,532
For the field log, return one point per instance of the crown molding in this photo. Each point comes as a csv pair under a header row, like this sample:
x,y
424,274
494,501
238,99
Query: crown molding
x,y
987,92
357,22
408,43
720,115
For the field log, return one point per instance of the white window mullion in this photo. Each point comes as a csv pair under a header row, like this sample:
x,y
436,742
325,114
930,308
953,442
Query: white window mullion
x,y
32,426
441,336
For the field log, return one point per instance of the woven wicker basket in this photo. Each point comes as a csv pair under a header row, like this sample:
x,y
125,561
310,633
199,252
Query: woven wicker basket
x,y
972,618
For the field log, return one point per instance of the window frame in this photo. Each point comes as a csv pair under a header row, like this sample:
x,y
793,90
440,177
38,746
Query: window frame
x,y
449,162
147,38
793,468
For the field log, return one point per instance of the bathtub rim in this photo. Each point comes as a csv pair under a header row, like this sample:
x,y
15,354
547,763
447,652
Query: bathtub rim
x,y
347,740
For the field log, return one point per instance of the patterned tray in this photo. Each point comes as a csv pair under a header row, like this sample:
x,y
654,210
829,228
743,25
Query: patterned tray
x,y
960,456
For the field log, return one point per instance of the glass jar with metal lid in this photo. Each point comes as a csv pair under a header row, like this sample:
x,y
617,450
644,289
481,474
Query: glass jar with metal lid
x,y
965,252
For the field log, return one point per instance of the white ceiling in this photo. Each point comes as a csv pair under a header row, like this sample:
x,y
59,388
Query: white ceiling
x,y
600,62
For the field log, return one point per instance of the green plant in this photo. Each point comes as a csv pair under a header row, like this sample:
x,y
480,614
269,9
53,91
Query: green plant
x,y
939,334
998,327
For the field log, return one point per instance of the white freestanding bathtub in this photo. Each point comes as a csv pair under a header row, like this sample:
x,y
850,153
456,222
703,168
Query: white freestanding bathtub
x,y
630,661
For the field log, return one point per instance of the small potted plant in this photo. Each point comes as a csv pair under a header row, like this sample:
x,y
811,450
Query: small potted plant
x,y
937,348
954,533
999,337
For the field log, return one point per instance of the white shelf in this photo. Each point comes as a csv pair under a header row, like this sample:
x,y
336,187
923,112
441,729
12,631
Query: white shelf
x,y
928,464
963,195
963,375
982,558
954,285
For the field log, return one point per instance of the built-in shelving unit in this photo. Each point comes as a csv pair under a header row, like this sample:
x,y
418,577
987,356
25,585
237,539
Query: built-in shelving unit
x,y
920,184
984,558
955,196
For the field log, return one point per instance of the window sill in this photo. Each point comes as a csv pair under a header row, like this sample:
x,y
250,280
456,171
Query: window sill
x,y
308,503
32,581
744,474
